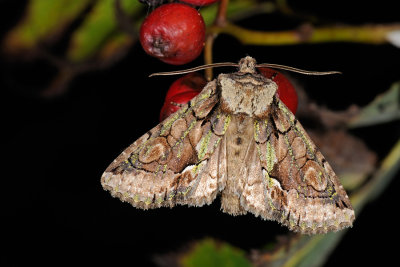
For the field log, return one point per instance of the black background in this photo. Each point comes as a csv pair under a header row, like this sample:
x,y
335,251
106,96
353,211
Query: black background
x,y
55,151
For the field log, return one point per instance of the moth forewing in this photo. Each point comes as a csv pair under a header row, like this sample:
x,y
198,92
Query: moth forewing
x,y
163,168
303,191
238,139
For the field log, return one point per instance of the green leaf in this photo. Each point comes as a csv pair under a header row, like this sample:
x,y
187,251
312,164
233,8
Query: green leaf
x,y
381,179
209,253
43,19
384,108
115,44
314,250
97,28
236,9
352,180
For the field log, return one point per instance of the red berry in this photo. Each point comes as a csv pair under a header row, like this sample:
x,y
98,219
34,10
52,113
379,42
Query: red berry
x,y
174,33
175,103
182,91
200,2
286,91
188,83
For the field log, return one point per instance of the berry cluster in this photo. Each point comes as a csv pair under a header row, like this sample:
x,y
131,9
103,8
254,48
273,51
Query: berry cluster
x,y
174,32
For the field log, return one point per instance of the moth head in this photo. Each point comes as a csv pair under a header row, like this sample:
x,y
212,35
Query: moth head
x,y
247,65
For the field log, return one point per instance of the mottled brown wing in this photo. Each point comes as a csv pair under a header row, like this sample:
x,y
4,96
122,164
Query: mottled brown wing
x,y
180,161
294,185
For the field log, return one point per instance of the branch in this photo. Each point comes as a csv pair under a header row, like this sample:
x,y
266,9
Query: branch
x,y
369,34
220,21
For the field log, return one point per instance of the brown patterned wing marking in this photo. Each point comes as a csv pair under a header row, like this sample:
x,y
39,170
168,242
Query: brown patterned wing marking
x,y
300,189
180,161
262,195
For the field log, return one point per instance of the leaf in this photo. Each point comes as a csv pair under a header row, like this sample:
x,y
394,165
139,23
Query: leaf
x,y
210,253
389,167
236,10
115,45
393,37
99,25
43,20
384,108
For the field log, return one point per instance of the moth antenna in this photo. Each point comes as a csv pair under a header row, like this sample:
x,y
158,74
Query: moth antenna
x,y
292,69
230,64
203,67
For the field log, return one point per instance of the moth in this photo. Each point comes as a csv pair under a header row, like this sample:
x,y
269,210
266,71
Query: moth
x,y
235,139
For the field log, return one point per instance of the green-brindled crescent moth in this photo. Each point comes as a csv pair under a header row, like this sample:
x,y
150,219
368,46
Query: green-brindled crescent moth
x,y
235,139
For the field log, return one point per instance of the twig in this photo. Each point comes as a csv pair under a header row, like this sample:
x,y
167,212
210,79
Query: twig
x,y
370,34
208,55
219,21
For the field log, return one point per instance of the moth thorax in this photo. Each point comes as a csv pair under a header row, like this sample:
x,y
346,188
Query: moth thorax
x,y
247,65
249,96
